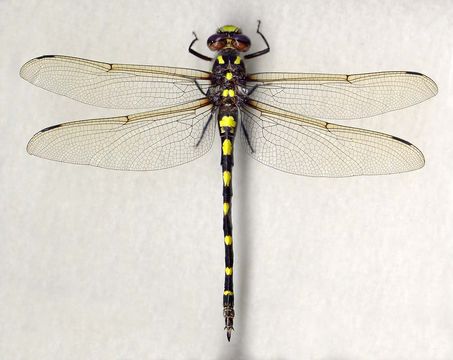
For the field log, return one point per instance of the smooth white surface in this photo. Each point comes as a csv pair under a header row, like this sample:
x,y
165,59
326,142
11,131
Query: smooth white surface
x,y
97,264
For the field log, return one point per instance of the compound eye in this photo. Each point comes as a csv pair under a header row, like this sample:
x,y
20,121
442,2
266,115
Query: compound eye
x,y
241,42
217,42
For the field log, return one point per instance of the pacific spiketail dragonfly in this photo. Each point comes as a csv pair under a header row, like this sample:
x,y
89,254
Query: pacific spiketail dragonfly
x,y
275,113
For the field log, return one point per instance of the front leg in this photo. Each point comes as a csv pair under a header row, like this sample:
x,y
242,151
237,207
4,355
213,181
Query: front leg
x,y
261,52
196,53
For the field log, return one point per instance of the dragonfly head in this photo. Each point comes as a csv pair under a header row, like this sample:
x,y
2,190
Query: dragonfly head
x,y
229,36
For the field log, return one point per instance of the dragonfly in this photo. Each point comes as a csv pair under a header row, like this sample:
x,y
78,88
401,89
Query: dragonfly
x,y
282,119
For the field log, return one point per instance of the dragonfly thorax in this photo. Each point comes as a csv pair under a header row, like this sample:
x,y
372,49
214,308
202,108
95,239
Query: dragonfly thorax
x,y
228,79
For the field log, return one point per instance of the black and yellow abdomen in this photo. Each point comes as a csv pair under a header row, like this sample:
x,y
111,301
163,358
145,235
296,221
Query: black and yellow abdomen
x,y
227,92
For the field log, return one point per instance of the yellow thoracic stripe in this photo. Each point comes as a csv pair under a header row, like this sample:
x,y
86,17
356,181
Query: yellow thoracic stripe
x,y
227,121
229,76
228,92
228,271
227,178
220,59
228,240
237,61
226,208
227,147
228,292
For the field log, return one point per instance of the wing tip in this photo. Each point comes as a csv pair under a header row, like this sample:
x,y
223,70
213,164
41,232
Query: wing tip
x,y
418,157
29,147
432,85
429,83
28,72
23,73
34,137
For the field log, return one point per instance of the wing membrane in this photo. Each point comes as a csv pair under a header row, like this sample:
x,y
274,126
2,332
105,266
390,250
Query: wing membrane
x,y
115,86
303,146
147,141
329,96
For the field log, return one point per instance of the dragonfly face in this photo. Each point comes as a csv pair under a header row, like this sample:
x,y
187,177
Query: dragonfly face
x,y
229,36
276,116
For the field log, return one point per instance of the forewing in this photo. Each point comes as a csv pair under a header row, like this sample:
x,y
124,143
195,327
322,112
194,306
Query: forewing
x,y
115,86
304,146
329,96
147,141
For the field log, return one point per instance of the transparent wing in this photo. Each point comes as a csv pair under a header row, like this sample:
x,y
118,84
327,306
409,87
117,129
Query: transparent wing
x,y
328,96
115,86
147,141
304,146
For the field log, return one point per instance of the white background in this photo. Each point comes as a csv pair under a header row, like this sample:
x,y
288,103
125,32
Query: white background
x,y
98,264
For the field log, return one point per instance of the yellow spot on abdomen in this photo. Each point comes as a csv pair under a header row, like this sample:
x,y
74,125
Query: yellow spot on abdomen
x,y
228,292
220,59
227,147
231,92
229,76
228,271
228,240
225,93
237,61
226,178
226,208
227,121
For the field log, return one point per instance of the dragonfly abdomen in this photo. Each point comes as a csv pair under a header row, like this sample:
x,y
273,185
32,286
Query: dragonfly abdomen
x,y
228,80
227,126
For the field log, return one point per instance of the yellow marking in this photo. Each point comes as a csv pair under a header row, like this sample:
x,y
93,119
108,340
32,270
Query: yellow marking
x,y
220,59
229,76
238,60
226,208
227,121
227,147
228,292
228,271
228,92
228,240
229,28
226,178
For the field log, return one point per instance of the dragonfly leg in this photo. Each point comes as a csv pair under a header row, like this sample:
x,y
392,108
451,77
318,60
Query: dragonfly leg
x,y
205,93
261,52
205,127
196,53
250,92
247,138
